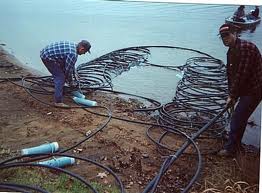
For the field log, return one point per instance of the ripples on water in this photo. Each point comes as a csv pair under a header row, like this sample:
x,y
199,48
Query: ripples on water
x,y
28,25
111,25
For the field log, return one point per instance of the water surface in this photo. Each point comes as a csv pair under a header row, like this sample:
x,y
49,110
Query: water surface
x,y
27,26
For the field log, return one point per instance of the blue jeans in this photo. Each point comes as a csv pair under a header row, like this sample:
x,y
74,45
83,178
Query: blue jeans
x,y
59,78
245,107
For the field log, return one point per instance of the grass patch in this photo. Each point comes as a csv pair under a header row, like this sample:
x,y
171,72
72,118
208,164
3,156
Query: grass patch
x,y
52,182
228,175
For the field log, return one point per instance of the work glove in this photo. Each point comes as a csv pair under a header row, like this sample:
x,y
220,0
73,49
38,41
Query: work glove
x,y
71,80
231,102
77,77
73,83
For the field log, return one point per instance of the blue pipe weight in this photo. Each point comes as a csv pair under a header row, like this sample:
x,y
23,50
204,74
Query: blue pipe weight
x,y
44,148
85,102
180,75
59,162
78,94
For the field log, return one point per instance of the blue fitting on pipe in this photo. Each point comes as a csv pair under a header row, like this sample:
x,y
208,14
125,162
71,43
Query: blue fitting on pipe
x,y
44,148
78,94
85,102
180,75
58,162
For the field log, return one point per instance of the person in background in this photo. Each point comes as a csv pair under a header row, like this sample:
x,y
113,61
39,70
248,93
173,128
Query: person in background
x,y
239,14
255,13
244,74
60,58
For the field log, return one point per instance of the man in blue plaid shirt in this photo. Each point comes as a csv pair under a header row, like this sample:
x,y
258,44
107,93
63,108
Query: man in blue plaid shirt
x,y
60,58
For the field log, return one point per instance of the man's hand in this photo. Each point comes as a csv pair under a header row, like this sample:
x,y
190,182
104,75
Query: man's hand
x,y
77,77
73,83
231,101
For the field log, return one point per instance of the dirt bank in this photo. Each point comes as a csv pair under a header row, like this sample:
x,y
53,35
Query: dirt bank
x,y
122,146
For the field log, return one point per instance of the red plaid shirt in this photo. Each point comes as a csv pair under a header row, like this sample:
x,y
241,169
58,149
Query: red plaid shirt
x,y
244,69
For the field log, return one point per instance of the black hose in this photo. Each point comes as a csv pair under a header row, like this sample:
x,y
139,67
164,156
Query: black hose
x,y
13,187
200,96
14,165
21,187
151,187
45,155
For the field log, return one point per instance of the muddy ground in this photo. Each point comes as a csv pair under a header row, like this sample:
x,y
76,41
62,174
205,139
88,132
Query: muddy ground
x,y
122,146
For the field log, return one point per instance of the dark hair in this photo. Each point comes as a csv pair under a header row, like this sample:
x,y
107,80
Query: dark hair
x,y
241,6
85,44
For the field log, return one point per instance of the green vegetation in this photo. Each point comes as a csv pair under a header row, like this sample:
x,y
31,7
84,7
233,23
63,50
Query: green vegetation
x,y
56,183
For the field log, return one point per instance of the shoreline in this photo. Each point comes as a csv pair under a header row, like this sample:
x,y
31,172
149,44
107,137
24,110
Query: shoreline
x,y
124,146
250,137
13,60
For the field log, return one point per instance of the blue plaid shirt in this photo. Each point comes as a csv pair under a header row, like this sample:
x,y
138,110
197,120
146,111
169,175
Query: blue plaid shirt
x,y
63,53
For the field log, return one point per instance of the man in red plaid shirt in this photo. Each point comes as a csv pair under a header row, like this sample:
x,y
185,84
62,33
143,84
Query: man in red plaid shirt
x,y
244,73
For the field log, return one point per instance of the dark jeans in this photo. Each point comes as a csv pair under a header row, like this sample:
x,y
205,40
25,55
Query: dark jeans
x,y
245,107
59,78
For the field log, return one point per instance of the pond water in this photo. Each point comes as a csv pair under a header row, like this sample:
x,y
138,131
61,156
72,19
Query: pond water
x,y
27,26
